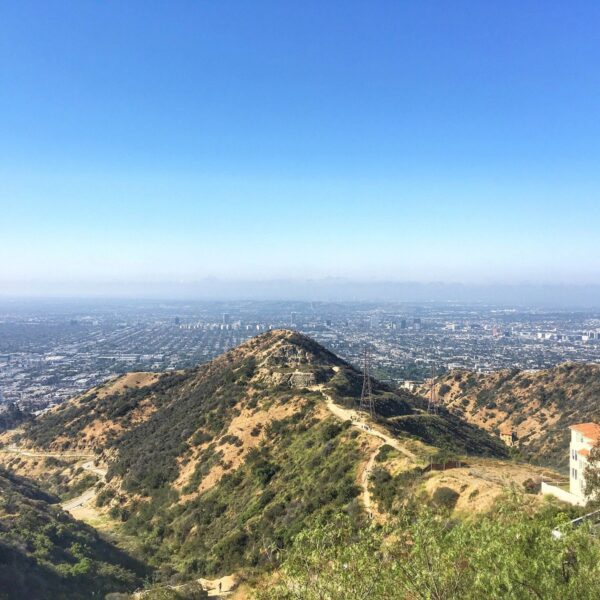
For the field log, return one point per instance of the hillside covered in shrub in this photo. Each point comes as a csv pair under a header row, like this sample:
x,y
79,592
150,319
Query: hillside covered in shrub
x,y
44,553
539,406
218,467
510,554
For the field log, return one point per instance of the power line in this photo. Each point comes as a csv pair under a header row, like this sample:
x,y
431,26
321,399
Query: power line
x,y
366,397
432,406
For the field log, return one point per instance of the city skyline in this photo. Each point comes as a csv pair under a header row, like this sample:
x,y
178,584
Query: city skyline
x,y
386,142
52,350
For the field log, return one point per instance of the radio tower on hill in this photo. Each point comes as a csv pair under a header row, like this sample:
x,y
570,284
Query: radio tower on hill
x,y
432,405
366,397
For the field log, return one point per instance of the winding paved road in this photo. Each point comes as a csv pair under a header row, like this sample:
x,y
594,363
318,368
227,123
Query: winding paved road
x,y
90,493
89,465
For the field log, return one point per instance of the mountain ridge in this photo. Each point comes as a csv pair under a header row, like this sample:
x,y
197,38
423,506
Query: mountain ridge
x,y
538,406
210,467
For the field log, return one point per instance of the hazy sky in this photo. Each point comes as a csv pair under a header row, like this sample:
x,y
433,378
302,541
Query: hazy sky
x,y
423,141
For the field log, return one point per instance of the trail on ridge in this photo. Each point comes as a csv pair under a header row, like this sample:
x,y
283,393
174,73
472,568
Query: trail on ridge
x,y
359,421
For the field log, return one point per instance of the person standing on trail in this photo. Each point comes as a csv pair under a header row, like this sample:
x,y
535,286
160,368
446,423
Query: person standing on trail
x,y
220,585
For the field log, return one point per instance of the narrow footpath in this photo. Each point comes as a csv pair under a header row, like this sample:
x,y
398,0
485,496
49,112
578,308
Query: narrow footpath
x,y
227,584
366,476
359,421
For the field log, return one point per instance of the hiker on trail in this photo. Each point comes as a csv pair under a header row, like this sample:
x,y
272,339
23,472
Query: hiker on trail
x,y
220,585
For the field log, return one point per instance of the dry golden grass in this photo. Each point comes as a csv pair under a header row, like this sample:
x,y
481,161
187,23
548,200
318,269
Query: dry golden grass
x,y
483,482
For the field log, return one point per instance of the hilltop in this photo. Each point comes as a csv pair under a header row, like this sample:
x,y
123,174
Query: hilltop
x,y
538,406
281,363
218,467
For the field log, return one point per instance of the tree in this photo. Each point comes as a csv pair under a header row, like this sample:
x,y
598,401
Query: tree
x,y
592,475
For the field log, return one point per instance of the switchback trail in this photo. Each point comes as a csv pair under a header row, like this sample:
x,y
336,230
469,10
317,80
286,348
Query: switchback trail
x,y
358,421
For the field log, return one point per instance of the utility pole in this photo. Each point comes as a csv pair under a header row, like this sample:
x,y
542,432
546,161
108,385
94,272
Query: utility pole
x,y
432,406
366,398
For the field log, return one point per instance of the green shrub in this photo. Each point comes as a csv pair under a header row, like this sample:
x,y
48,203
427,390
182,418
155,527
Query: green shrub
x,y
508,555
445,497
384,453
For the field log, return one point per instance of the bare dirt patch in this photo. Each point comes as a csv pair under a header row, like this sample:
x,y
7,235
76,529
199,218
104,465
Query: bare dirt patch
x,y
137,379
483,482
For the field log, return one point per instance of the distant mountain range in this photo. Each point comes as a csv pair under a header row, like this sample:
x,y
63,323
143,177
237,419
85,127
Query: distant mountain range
x,y
335,289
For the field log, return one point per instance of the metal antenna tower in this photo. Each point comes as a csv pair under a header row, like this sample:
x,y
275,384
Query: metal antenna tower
x,y
366,397
432,406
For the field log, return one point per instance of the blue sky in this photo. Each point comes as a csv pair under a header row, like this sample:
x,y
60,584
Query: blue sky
x,y
422,141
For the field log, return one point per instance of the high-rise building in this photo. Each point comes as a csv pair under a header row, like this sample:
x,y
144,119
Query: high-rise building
x,y
226,318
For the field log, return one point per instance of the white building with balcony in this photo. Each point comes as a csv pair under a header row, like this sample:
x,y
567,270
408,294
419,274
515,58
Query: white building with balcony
x,y
584,436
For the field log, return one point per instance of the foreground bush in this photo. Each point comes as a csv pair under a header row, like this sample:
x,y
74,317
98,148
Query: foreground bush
x,y
509,555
